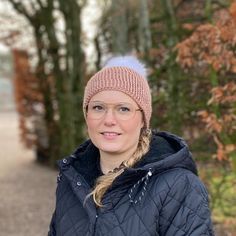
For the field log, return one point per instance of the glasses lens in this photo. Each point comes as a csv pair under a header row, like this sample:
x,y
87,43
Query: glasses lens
x,y
96,110
124,111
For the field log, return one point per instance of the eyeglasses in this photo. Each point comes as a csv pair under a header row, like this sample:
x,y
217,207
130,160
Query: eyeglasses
x,y
122,111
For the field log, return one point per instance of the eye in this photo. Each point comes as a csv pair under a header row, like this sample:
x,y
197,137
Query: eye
x,y
124,109
97,108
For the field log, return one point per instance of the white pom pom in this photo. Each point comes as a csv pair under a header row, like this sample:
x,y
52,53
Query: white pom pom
x,y
127,61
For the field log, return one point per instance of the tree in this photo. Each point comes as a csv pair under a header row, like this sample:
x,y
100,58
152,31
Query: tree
x,y
59,70
119,29
123,28
29,105
211,51
144,30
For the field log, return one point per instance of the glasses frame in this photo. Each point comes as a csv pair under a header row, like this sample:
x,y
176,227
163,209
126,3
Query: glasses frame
x,y
138,109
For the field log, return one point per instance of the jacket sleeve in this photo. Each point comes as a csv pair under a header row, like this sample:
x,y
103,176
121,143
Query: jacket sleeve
x,y
52,226
52,230
185,210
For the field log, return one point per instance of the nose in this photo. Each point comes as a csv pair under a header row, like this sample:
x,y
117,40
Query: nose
x,y
109,118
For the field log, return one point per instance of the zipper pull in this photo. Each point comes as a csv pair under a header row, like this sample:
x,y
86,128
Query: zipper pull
x,y
149,172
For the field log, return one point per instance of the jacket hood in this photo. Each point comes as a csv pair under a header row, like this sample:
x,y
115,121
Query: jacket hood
x,y
167,151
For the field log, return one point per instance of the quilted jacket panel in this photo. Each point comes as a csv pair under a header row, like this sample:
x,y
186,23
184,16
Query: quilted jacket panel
x,y
161,196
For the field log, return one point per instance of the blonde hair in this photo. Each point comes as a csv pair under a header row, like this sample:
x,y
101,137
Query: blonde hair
x,y
105,181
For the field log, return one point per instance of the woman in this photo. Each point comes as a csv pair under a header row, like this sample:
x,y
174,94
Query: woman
x,y
127,180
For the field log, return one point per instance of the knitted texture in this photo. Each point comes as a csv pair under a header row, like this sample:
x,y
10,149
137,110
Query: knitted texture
x,y
122,79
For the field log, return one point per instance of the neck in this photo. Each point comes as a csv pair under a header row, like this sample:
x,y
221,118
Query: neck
x,y
110,161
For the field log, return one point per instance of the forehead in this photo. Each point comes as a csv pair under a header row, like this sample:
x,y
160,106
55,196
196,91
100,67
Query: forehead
x,y
112,96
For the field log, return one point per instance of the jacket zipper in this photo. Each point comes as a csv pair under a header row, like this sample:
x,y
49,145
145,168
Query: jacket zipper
x,y
95,223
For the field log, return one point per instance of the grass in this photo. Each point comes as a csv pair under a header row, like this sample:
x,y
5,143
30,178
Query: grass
x,y
221,183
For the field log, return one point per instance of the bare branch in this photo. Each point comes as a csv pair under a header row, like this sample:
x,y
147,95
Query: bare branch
x,y
40,4
33,7
50,4
19,7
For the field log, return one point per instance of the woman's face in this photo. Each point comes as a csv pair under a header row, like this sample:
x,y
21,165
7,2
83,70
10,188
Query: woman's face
x,y
107,123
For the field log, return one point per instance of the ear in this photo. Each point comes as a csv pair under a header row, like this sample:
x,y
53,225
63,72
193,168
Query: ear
x,y
85,114
142,124
86,122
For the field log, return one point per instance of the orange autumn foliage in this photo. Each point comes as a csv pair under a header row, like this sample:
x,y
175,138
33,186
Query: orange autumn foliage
x,y
225,98
28,97
212,46
224,94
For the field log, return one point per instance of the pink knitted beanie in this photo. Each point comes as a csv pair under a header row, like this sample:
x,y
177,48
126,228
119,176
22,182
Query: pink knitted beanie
x,y
125,78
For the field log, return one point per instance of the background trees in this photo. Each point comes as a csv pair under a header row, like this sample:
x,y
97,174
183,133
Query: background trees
x,y
210,52
58,73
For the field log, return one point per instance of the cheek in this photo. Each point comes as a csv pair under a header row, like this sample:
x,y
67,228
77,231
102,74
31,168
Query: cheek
x,y
89,123
133,127
91,126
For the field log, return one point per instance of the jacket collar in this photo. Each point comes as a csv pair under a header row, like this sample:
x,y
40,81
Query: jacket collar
x,y
167,151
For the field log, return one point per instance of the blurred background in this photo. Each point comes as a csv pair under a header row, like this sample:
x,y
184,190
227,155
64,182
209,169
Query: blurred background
x,y
50,48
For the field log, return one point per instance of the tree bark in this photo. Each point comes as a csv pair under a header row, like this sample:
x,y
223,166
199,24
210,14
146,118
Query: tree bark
x,y
61,86
174,106
144,32
119,27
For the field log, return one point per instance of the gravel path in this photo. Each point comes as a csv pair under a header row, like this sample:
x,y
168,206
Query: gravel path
x,y
26,188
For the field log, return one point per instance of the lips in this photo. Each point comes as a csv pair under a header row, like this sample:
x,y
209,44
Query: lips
x,y
110,134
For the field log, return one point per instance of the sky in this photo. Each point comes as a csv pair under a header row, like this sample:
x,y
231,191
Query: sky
x,y
3,48
90,16
3,8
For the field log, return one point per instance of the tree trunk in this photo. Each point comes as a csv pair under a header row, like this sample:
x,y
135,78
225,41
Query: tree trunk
x,y
71,107
119,27
173,71
49,113
144,33
61,85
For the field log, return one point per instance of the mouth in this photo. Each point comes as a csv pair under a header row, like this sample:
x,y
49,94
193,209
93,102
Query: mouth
x,y
110,134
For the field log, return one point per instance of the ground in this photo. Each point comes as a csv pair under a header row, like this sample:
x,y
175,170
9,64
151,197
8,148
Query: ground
x,y
27,190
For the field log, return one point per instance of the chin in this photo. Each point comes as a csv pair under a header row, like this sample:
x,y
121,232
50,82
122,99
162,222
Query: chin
x,y
109,148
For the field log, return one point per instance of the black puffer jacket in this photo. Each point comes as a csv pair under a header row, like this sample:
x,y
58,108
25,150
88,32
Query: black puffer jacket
x,y
161,195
